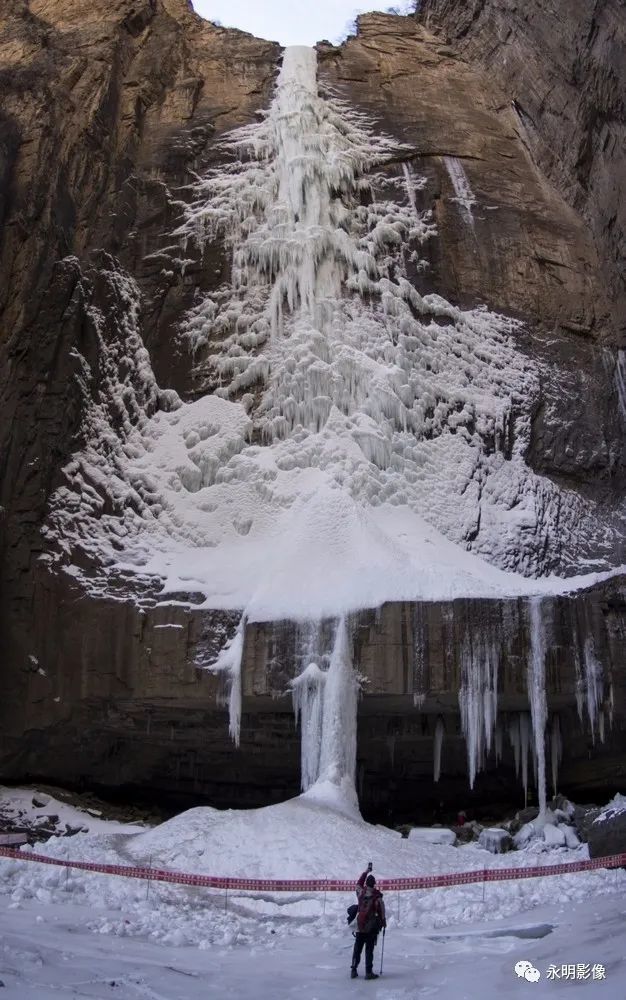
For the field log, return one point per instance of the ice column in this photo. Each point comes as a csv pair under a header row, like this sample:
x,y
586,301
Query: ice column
x,y
537,695
325,703
338,752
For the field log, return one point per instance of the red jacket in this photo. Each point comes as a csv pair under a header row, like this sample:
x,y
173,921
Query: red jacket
x,y
371,915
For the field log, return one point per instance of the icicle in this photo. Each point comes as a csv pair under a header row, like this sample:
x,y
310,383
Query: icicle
x,y
308,692
580,679
229,662
556,750
593,683
471,707
440,730
537,696
478,700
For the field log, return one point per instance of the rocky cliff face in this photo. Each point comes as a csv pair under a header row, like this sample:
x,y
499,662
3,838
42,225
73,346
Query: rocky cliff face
x,y
105,116
560,70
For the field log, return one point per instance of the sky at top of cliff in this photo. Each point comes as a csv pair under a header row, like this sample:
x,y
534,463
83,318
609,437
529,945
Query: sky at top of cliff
x,y
293,23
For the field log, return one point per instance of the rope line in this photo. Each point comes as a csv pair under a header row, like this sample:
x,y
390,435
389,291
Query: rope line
x,y
319,885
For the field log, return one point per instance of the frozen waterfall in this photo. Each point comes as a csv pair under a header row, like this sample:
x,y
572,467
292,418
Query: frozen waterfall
x,y
464,195
325,704
341,419
349,440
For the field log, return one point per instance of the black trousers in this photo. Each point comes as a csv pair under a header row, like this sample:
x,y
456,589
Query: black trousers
x,y
368,940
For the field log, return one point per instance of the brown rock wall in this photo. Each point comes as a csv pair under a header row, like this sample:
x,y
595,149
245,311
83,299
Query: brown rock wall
x,y
561,71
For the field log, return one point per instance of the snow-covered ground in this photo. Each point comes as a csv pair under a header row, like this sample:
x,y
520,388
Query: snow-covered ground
x,y
74,934
47,952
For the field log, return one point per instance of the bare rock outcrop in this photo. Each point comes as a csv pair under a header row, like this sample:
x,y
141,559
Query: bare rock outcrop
x,y
561,69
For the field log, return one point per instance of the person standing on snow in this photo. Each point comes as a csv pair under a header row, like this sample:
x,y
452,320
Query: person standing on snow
x,y
370,919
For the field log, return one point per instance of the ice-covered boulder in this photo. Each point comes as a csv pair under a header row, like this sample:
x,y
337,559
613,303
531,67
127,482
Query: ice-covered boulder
x,y
496,840
433,835
561,804
524,835
571,838
607,833
553,835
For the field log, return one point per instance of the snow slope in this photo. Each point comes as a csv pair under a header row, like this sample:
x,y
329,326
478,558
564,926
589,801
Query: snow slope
x,y
315,835
87,935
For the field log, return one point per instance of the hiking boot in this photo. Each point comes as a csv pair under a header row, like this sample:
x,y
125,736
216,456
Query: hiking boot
x,y
371,975
353,973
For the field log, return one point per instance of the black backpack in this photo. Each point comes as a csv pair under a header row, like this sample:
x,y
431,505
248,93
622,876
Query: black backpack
x,y
352,912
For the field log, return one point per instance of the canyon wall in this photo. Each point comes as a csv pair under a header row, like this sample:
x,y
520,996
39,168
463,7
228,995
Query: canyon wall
x,y
561,70
105,117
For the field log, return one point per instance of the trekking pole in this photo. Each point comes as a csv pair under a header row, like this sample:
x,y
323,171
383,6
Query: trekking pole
x,y
382,951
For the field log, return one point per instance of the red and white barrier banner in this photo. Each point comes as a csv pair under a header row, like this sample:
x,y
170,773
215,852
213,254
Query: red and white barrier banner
x,y
319,885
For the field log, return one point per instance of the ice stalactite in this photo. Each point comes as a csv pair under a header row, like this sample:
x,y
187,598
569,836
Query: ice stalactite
x,y
230,664
594,684
440,730
308,697
580,677
478,699
556,750
464,195
519,738
537,695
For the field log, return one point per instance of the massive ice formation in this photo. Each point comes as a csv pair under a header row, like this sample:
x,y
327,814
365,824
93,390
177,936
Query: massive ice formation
x,y
354,441
346,420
